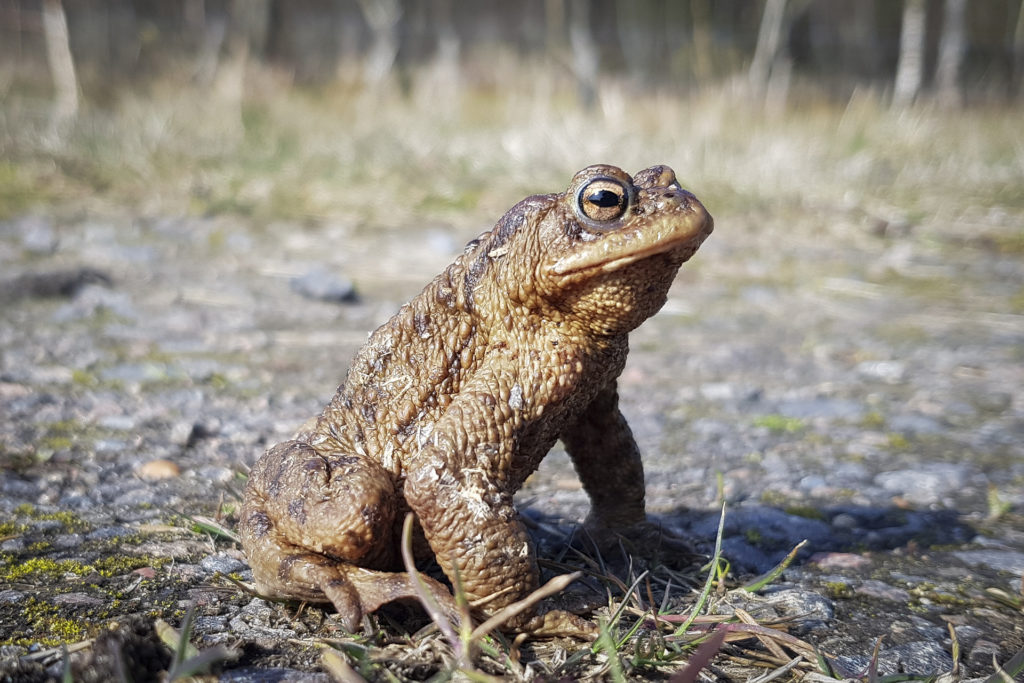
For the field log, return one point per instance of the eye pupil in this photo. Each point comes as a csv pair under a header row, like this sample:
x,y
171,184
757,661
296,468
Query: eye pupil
x,y
604,199
602,202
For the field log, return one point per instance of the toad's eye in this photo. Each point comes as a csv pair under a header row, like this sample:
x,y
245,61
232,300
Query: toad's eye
x,y
603,200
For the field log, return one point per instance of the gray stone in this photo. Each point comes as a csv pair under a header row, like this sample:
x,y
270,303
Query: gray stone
x,y
67,541
77,599
95,298
11,597
109,532
967,635
829,408
982,653
1011,561
920,657
915,628
188,572
845,521
37,234
141,495
225,564
879,589
272,675
321,284
210,624
140,373
814,610
927,484
889,371
13,545
914,424
120,423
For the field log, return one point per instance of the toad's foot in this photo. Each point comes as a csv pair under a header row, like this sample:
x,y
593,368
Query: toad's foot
x,y
558,623
645,539
354,591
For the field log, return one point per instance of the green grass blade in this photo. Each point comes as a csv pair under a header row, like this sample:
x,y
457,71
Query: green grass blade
x,y
712,573
769,576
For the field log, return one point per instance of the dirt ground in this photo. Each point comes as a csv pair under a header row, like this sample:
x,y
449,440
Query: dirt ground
x,y
841,363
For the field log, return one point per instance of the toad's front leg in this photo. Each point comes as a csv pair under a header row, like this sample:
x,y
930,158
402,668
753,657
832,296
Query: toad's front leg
x,y
456,487
608,462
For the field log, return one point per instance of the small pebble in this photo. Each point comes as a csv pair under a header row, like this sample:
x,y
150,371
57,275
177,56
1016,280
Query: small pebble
x,y
982,653
323,285
873,588
76,599
839,560
225,564
108,532
889,371
1011,561
10,597
155,470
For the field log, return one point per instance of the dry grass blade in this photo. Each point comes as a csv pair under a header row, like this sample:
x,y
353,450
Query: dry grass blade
x,y
170,637
49,653
767,641
245,588
338,668
955,648
781,671
873,665
747,630
555,585
1007,671
424,594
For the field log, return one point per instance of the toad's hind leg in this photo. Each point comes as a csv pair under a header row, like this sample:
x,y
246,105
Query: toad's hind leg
x,y
317,526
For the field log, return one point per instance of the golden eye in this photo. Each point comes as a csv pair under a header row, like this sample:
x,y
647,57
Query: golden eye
x,y
603,200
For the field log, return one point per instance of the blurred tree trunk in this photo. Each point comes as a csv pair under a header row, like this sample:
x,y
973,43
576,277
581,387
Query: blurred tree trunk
x,y
771,66
910,68
212,29
237,28
700,13
1018,54
952,46
230,80
446,61
554,24
584,52
382,17
62,65
439,85
768,41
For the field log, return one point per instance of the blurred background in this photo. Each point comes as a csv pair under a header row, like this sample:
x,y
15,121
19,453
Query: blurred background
x,y
277,109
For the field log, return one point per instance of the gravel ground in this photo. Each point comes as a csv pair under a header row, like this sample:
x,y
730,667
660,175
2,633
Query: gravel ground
x,y
839,378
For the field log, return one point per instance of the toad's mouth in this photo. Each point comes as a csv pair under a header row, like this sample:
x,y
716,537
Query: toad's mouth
x,y
682,224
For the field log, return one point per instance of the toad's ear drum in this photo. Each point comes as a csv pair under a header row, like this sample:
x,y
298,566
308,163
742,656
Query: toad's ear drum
x,y
603,200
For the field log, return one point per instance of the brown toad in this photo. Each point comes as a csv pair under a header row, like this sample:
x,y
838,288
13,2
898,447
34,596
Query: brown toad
x,y
453,402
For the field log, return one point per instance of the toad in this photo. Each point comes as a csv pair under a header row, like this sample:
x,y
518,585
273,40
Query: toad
x,y
454,401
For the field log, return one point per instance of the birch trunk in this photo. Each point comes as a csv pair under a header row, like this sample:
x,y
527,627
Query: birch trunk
x,y
910,68
62,65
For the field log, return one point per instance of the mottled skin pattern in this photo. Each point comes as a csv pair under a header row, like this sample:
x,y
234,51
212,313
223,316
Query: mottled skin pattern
x,y
453,402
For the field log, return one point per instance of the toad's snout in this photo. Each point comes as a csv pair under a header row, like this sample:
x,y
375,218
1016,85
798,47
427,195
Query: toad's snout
x,y
675,200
